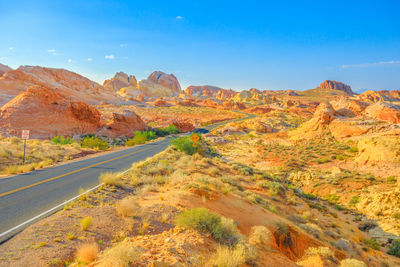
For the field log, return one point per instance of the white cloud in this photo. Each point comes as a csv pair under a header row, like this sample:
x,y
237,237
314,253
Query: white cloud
x,y
90,59
110,56
366,65
123,45
52,51
3,58
69,60
179,17
11,48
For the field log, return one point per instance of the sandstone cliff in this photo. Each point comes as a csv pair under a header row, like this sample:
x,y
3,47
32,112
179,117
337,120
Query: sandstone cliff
x,y
334,85
160,84
46,114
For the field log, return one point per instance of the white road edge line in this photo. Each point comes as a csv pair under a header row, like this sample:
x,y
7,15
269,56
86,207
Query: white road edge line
x,y
54,208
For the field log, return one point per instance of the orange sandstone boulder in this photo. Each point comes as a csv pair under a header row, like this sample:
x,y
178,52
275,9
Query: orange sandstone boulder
x,y
383,111
371,96
183,125
224,94
124,124
46,114
204,90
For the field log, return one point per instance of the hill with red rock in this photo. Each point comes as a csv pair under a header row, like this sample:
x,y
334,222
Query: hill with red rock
x,y
46,114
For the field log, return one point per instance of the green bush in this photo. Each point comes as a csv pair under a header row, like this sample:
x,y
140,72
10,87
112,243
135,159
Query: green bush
x,y
222,229
172,129
353,149
141,138
94,142
372,243
394,248
61,140
353,200
184,144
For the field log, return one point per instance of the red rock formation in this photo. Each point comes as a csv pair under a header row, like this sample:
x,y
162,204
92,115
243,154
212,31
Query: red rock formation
x,y
183,125
204,90
349,107
4,68
224,94
123,125
64,82
393,94
334,85
160,84
383,111
232,105
160,102
371,96
120,80
46,114
258,110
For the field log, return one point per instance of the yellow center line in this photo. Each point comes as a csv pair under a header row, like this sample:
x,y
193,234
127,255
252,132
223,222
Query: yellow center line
x,y
65,174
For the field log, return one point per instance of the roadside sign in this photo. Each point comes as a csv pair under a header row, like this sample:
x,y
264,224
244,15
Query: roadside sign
x,y
195,138
25,134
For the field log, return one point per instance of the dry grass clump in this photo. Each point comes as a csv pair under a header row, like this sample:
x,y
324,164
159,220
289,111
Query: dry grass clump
x,y
321,251
86,253
121,255
86,222
109,178
352,263
260,235
127,207
233,256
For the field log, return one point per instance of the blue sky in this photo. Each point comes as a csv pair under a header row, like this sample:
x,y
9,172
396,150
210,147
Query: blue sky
x,y
231,44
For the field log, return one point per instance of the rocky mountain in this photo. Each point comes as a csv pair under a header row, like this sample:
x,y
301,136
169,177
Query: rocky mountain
x,y
64,82
203,90
123,85
119,81
334,85
124,124
160,84
47,113
4,68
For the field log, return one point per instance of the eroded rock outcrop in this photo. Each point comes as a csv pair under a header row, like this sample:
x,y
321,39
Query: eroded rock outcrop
x,y
318,124
4,68
46,114
371,96
349,107
383,111
122,84
225,94
334,85
124,124
203,90
160,84
64,82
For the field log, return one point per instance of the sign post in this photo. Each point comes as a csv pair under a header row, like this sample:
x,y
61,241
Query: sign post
x,y
195,138
25,136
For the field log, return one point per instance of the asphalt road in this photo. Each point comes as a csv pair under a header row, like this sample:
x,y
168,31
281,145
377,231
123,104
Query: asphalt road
x,y
27,195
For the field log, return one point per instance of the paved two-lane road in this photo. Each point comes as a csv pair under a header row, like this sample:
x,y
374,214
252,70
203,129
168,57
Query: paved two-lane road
x,y
25,196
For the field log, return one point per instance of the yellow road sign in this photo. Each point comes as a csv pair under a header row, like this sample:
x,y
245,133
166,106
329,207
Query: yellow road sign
x,y
195,138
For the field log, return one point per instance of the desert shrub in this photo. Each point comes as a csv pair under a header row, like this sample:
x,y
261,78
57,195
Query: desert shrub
x,y
260,235
353,149
352,263
312,229
86,253
391,179
368,225
61,140
109,178
94,142
4,153
282,234
353,200
127,207
86,222
121,255
321,251
11,169
372,243
233,257
394,248
274,187
141,137
223,230
184,144
171,129
15,140
332,198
